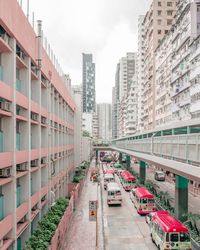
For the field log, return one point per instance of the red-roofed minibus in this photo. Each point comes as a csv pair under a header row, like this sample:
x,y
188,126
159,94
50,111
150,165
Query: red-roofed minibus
x,y
168,233
143,200
128,180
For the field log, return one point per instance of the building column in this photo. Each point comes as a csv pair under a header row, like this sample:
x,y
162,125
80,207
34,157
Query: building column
x,y
142,172
181,198
96,157
128,161
120,158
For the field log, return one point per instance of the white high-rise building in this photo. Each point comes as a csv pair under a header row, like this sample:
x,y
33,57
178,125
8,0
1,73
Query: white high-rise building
x,y
163,74
140,71
186,28
105,120
131,113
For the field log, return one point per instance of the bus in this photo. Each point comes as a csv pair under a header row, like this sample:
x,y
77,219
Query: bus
x,y
114,195
169,233
143,200
128,180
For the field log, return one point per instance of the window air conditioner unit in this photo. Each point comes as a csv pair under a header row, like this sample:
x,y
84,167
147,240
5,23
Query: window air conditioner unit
x,y
22,220
34,116
5,105
34,208
21,167
43,120
5,172
34,163
44,160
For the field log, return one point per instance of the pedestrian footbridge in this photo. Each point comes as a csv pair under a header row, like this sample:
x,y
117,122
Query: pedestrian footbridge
x,y
175,148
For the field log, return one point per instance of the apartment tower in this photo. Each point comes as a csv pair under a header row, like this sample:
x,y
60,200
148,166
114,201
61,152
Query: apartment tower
x,y
88,81
157,22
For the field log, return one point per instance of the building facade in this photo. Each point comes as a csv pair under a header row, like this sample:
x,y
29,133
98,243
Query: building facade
x,y
163,75
131,114
115,104
88,81
140,71
37,127
105,121
157,23
186,28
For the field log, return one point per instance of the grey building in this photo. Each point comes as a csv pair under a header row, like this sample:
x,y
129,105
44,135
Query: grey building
x,y
88,81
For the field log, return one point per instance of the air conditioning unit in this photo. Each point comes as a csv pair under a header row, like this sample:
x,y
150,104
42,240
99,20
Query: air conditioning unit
x,y
21,167
43,198
5,172
5,105
43,120
43,160
34,163
34,116
22,220
34,208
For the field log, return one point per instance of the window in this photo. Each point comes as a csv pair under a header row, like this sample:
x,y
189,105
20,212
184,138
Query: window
x,y
159,21
169,4
159,3
1,125
174,237
166,31
159,32
159,12
169,12
169,21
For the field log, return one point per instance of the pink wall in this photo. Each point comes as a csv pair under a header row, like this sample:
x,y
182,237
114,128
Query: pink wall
x,y
6,159
6,225
22,210
21,100
6,91
21,156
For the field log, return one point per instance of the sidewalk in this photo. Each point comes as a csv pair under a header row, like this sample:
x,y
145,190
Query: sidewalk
x,y
82,232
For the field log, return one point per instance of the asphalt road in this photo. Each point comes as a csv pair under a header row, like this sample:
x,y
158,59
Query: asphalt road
x,y
193,200
124,229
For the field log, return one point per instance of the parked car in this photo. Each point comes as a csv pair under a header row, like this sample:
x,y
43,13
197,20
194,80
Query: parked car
x,y
159,176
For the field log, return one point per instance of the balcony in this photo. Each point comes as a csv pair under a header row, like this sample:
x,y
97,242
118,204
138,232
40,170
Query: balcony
x,y
1,141
1,207
194,89
18,85
18,141
1,73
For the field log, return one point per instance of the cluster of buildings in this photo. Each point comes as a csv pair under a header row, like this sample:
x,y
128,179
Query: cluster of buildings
x,y
96,118
162,86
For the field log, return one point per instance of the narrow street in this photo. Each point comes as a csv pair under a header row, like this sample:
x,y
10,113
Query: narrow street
x,y
124,228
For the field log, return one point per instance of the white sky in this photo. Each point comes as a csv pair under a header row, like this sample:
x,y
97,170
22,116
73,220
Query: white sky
x,y
105,28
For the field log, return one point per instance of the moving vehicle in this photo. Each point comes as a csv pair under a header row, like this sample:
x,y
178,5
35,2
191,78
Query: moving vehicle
x,y
107,179
114,195
159,176
143,200
109,171
128,180
169,233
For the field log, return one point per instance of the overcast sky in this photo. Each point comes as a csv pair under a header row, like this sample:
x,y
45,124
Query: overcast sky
x,y
105,28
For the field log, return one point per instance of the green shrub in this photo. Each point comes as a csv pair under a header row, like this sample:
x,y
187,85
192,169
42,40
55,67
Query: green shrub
x,y
42,236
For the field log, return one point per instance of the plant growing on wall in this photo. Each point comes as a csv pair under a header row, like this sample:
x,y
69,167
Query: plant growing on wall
x,y
42,236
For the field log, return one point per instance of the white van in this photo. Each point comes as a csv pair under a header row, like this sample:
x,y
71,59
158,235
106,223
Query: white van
x,y
114,195
107,179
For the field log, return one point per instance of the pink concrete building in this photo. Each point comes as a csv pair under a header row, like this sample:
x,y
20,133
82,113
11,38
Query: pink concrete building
x,y
36,128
